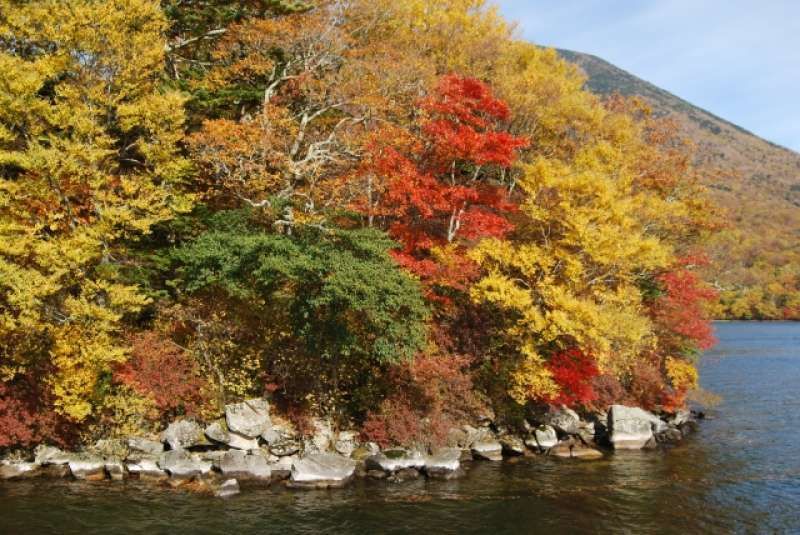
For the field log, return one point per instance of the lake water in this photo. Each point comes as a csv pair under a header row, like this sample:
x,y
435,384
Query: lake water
x,y
740,473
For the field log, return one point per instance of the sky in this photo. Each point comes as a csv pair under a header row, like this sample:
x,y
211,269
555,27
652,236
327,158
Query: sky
x,y
739,59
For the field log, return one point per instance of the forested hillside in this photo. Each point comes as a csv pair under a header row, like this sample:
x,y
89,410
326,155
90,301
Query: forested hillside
x,y
390,213
755,262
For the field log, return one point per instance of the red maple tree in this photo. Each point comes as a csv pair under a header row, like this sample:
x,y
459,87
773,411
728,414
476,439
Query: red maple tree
x,y
573,371
441,184
680,310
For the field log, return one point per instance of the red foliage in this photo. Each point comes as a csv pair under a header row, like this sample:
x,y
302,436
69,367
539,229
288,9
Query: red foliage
x,y
647,386
608,391
166,373
680,311
573,371
429,396
790,313
433,189
27,418
397,423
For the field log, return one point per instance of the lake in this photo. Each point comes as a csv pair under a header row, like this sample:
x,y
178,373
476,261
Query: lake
x,y
740,473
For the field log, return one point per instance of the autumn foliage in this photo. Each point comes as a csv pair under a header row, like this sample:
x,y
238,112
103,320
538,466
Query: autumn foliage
x,y
442,186
165,373
573,371
392,213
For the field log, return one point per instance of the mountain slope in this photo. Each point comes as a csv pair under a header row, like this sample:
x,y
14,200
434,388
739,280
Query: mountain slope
x,y
757,262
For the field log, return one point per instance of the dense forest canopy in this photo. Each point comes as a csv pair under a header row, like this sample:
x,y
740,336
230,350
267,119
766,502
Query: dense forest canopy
x,y
390,213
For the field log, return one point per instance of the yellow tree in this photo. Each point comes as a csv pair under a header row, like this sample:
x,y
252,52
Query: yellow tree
x,y
88,162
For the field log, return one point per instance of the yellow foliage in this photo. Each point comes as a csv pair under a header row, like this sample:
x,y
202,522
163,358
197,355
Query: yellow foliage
x,y
530,378
596,219
682,374
88,157
128,414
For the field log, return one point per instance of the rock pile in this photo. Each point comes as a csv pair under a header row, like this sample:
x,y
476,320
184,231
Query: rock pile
x,y
248,445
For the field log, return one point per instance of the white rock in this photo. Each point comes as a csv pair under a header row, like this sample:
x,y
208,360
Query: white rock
x,y
444,463
321,470
88,468
632,427
281,468
249,418
183,434
564,419
218,432
17,469
51,455
238,464
393,460
488,450
180,464
115,469
322,438
145,469
346,442
145,445
546,437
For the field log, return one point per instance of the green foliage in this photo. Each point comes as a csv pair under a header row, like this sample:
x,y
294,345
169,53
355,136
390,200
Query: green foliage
x,y
346,303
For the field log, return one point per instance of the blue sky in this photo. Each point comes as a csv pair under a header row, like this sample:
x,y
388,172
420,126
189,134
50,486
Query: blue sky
x,y
739,59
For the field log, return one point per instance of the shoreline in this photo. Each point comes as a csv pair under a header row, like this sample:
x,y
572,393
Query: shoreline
x,y
247,446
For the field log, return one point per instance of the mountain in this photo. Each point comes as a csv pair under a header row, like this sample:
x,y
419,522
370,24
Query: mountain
x,y
760,190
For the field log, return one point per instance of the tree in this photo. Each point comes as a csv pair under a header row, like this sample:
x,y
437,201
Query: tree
x,y
445,189
576,271
88,161
334,307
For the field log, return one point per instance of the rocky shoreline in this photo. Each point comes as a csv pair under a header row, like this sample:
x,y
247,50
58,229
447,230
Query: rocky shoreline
x,y
249,445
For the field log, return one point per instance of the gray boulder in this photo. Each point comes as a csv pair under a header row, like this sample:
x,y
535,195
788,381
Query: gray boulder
x,y
391,461
282,467
146,469
587,432
184,434
632,427
284,448
237,463
115,469
45,455
218,432
574,448
144,445
512,445
271,436
180,464
18,470
346,443
474,435
88,468
564,420
321,470
322,437
228,488
445,463
249,418
545,436
487,450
